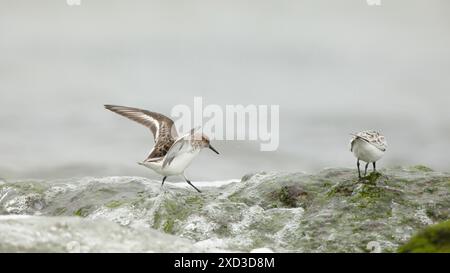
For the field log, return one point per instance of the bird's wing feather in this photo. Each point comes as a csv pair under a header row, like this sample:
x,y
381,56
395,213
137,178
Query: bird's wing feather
x,y
376,139
382,145
352,141
372,137
162,127
154,121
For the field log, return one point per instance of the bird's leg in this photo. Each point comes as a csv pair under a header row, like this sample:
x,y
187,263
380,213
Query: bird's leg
x,y
374,167
164,179
359,171
189,182
365,170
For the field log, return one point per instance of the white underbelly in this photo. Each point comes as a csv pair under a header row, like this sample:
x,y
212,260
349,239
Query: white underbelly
x,y
176,167
366,152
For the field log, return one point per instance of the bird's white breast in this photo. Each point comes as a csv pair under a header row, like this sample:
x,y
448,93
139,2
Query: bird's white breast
x,y
176,167
366,151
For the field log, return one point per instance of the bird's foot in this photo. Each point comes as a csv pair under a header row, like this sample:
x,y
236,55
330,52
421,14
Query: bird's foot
x,y
163,189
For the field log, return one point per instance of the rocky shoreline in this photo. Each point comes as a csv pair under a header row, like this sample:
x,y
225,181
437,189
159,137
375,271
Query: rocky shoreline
x,y
330,211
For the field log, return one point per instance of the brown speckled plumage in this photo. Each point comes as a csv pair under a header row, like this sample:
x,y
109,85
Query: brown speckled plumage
x,y
372,137
162,128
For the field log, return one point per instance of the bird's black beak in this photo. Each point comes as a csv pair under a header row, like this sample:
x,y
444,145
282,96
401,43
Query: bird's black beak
x,y
214,150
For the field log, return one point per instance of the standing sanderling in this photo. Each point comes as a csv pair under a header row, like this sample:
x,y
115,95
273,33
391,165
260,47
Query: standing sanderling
x,y
170,155
368,146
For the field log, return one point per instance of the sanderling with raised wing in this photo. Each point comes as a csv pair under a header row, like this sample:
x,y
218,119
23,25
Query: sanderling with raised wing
x,y
368,146
171,154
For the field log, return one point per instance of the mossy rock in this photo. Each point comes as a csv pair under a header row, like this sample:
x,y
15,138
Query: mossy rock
x,y
433,239
83,211
174,210
114,204
29,186
422,168
291,196
329,211
372,177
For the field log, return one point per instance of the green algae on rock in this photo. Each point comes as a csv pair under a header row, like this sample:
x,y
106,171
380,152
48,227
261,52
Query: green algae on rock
x,y
433,239
330,211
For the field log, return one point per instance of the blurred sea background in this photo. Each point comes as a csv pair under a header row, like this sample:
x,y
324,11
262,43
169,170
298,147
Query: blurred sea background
x,y
333,67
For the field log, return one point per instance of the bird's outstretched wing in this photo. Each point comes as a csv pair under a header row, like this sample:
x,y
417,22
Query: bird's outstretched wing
x,y
162,127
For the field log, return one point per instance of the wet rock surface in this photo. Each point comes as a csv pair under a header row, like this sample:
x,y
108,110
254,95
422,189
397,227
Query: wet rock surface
x,y
432,239
70,234
330,211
